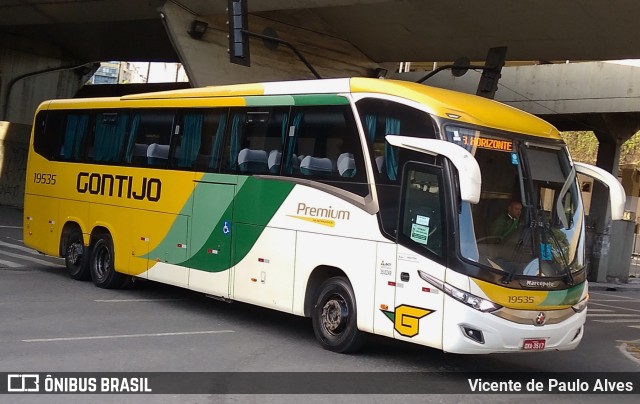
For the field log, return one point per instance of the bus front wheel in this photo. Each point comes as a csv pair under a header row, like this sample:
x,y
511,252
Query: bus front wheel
x,y
334,317
76,257
101,265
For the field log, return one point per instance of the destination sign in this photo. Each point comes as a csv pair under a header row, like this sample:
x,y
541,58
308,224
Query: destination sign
x,y
485,143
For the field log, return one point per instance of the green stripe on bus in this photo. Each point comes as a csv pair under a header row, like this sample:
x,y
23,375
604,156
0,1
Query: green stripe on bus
x,y
563,297
268,100
298,100
254,204
320,99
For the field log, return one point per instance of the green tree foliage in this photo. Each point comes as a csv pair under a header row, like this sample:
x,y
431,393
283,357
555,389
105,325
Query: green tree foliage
x,y
630,151
583,147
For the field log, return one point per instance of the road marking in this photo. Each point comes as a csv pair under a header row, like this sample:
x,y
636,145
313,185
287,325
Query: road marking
x,y
608,295
10,227
600,310
18,247
612,315
614,307
162,334
10,264
135,300
608,300
24,257
622,320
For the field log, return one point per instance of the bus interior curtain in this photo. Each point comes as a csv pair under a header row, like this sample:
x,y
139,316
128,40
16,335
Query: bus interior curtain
x,y
191,137
133,134
74,135
284,129
390,152
291,145
236,135
371,123
109,137
217,143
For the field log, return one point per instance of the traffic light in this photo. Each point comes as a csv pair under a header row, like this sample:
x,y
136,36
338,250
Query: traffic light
x,y
491,73
238,37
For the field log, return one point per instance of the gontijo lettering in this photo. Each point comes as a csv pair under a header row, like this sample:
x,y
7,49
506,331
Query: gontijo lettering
x,y
122,186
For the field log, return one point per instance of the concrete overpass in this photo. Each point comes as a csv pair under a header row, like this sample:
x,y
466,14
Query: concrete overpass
x,y
339,37
47,48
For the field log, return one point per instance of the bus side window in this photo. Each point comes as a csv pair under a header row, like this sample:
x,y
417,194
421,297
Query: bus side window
x,y
149,138
200,145
49,133
75,136
323,144
256,138
110,133
383,117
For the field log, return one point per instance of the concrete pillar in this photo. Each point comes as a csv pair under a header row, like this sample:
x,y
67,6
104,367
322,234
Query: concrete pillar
x,y
14,146
29,74
612,241
600,213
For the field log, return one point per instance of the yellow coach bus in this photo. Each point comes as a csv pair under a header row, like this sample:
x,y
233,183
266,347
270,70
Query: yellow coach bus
x,y
368,205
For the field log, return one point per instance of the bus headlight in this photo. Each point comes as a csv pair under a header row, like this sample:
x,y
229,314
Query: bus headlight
x,y
467,298
470,300
581,305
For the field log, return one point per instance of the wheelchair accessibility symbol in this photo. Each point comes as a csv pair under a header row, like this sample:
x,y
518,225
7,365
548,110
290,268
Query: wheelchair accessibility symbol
x,y
226,228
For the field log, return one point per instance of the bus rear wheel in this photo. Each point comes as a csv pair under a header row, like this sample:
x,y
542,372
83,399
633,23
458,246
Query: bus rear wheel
x,y
76,257
334,317
101,265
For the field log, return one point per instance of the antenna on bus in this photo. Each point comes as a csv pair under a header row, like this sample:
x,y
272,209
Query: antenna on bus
x,y
239,37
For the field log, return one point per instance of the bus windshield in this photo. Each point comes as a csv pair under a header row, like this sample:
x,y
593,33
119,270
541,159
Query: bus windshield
x,y
529,220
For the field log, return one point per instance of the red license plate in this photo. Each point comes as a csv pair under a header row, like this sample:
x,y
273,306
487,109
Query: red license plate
x,y
533,344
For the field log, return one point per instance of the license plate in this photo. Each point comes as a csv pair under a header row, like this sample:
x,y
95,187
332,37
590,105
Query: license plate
x,y
533,344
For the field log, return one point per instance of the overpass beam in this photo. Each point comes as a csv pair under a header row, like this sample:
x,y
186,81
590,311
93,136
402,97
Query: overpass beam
x,y
206,58
612,241
32,72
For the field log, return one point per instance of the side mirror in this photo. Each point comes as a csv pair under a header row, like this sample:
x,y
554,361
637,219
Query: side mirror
x,y
465,163
617,196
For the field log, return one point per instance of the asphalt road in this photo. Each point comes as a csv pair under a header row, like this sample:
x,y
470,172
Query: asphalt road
x,y
51,323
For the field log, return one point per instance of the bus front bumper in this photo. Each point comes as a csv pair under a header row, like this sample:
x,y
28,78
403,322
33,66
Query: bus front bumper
x,y
469,331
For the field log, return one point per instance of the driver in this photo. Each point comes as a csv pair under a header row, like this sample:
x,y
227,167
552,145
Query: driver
x,y
506,223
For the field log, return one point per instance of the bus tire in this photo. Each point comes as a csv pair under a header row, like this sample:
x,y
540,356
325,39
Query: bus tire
x,y
76,257
334,317
101,264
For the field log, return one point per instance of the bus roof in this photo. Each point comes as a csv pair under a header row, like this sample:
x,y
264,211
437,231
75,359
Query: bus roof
x,y
443,103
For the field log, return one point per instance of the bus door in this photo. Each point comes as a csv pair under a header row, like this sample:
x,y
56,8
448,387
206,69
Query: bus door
x,y
211,237
420,257
264,254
